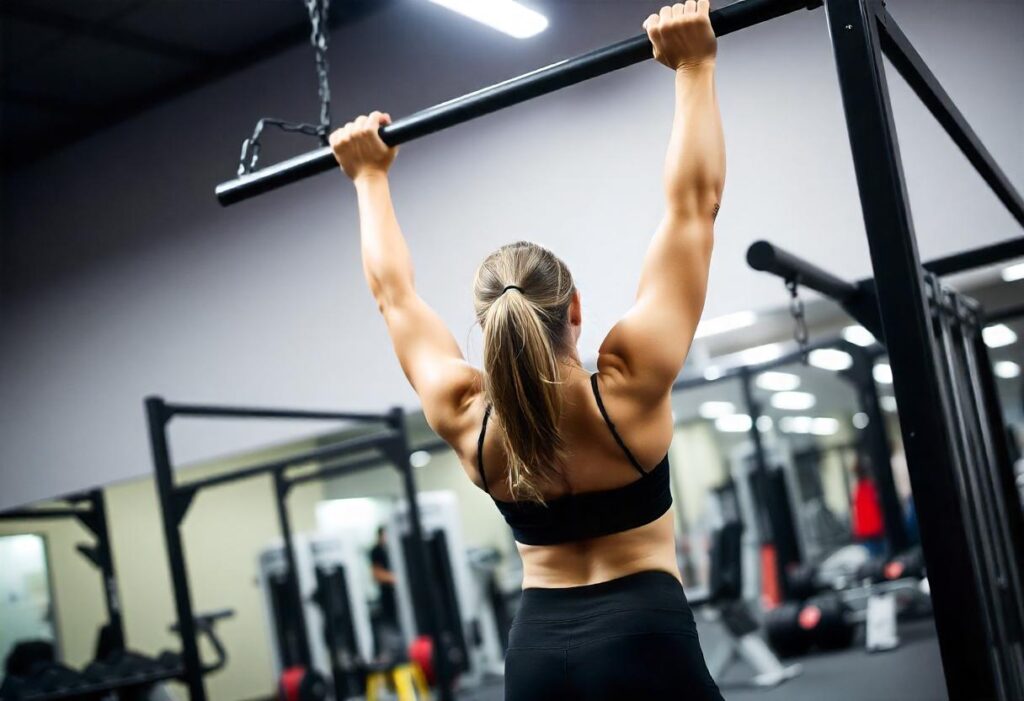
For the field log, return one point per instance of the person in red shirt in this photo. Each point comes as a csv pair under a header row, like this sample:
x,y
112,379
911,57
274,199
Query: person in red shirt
x,y
866,513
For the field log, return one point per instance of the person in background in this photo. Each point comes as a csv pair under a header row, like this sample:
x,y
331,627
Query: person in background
x,y
380,568
866,513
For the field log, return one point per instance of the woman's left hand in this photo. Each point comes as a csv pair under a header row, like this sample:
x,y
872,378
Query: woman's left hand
x,y
359,149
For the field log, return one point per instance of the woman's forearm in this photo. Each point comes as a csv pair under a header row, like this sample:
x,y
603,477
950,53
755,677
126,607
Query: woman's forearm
x,y
386,260
695,162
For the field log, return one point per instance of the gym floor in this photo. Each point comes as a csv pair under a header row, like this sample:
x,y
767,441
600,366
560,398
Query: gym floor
x,y
911,672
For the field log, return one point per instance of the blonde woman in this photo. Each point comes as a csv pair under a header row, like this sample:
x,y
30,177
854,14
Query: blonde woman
x,y
575,462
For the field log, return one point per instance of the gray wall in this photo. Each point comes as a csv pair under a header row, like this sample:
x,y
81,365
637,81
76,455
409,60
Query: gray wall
x,y
122,277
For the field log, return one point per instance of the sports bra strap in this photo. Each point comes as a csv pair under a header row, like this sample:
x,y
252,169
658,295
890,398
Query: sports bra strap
x,y
611,426
480,448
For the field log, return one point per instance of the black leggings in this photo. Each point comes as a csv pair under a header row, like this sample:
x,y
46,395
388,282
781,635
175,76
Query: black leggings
x,y
628,639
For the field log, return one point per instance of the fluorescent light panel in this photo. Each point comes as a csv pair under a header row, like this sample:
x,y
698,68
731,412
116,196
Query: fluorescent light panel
x,y
713,409
734,423
818,426
723,324
830,359
778,381
882,373
761,354
506,16
998,335
793,401
1012,273
1007,369
887,403
858,335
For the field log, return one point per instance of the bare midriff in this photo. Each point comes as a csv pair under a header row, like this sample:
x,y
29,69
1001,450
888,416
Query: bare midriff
x,y
649,547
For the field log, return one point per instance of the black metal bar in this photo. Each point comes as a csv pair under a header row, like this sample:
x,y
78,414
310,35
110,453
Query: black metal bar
x,y
265,413
760,457
157,418
40,514
769,258
875,441
915,71
105,560
977,257
350,445
292,569
906,322
505,94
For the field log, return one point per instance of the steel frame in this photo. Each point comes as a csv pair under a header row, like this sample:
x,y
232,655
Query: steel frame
x,y
90,509
391,445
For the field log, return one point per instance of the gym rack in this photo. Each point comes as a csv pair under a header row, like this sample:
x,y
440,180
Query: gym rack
x,y
88,508
978,662
386,445
988,521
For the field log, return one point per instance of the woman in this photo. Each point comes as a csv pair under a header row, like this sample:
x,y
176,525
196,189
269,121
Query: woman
x,y
603,614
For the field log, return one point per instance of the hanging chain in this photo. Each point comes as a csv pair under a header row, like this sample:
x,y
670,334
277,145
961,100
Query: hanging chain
x,y
796,310
319,38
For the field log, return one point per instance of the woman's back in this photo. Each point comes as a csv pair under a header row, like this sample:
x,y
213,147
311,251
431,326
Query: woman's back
x,y
595,465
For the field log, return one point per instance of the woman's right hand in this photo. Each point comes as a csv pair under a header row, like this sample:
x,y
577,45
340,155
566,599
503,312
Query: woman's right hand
x,y
359,149
682,35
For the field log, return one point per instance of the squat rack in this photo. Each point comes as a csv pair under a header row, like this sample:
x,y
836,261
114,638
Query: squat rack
x,y
389,443
976,665
89,509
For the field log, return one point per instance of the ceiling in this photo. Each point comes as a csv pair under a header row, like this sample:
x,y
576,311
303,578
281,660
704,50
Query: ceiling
x,y
71,68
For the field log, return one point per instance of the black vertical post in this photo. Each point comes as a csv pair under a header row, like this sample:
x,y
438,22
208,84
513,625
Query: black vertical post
x,y
875,440
105,555
157,418
903,307
292,571
400,457
760,458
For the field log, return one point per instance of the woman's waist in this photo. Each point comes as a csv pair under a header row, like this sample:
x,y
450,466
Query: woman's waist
x,y
651,601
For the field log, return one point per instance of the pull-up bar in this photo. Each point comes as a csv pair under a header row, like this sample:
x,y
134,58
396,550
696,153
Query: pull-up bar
x,y
505,94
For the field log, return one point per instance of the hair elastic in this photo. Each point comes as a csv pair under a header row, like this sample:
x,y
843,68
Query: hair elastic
x,y
512,287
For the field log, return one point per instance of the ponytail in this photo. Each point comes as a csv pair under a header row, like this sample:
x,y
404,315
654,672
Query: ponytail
x,y
523,294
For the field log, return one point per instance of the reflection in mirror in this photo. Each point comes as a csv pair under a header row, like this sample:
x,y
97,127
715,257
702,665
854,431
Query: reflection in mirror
x,y
26,603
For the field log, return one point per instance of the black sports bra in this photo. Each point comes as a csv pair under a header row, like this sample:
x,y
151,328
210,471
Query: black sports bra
x,y
586,514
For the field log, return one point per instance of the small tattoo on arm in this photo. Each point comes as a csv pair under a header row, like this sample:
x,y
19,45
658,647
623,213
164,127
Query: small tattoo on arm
x,y
714,212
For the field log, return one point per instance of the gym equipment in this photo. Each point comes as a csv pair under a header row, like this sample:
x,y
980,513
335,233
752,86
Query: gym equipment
x,y
542,81
388,445
724,603
469,632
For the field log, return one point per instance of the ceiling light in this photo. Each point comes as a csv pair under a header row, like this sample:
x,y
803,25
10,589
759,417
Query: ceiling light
x,y
722,324
506,16
793,401
860,420
419,458
824,426
778,381
830,359
998,335
796,424
1007,369
733,423
1012,273
888,403
858,335
713,372
882,373
761,354
764,424
713,410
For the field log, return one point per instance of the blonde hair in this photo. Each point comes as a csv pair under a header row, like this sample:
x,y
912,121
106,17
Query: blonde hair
x,y
522,296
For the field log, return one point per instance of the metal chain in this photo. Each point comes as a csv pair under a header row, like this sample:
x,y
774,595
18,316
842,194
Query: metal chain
x,y
796,310
319,38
